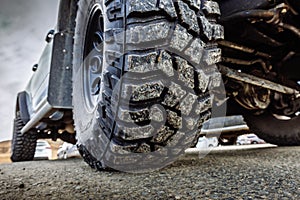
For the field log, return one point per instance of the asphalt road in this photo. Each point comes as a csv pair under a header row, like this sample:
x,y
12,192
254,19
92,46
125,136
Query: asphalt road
x,y
271,173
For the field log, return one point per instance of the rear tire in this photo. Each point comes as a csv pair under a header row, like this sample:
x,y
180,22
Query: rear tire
x,y
23,145
273,130
269,128
143,79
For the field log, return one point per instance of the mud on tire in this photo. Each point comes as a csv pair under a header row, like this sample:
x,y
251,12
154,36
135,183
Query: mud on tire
x,y
143,79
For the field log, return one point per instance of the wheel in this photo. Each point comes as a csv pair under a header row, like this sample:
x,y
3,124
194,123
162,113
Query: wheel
x,y
143,79
273,130
23,145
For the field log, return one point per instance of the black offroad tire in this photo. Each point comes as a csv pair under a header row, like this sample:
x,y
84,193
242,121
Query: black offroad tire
x,y
156,60
273,130
23,145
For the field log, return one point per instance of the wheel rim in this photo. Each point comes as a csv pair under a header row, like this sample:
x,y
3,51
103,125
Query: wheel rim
x,y
93,59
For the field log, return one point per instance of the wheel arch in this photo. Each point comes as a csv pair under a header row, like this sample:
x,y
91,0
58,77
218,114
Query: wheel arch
x,y
22,107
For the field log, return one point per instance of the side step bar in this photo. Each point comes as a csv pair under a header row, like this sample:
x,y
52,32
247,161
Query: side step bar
x,y
45,109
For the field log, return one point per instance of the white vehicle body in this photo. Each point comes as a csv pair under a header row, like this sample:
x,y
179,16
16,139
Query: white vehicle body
x,y
249,139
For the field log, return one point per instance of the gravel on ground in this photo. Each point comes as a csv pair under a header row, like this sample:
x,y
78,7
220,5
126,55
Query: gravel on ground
x,y
250,174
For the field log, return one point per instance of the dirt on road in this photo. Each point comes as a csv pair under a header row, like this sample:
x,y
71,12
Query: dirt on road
x,y
250,174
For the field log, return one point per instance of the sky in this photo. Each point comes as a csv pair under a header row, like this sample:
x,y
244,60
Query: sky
x,y
23,27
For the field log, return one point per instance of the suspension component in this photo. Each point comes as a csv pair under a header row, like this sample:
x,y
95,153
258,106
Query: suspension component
x,y
271,16
243,49
266,67
256,81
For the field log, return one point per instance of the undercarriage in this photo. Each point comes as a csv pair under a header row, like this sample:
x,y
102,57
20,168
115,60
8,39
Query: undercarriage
x,y
260,64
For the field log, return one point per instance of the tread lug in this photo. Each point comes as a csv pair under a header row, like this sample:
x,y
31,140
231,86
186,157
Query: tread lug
x,y
180,38
212,56
148,33
211,8
186,72
174,95
188,17
195,51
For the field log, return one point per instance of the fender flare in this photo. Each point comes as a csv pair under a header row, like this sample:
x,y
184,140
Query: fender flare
x,y
21,106
66,16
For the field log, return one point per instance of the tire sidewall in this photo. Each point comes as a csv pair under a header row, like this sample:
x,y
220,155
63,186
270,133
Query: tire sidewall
x,y
85,120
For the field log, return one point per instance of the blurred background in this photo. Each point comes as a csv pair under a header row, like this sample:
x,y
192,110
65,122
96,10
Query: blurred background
x,y
23,28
